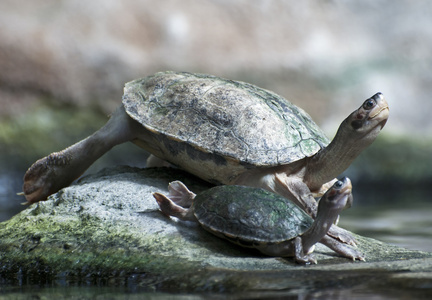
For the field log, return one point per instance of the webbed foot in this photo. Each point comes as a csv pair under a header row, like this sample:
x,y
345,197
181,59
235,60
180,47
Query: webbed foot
x,y
46,176
180,194
169,208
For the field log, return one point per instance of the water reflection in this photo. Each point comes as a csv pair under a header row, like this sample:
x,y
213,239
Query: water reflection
x,y
398,225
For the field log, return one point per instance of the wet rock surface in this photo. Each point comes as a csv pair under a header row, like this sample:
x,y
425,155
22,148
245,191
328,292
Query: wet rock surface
x,y
107,230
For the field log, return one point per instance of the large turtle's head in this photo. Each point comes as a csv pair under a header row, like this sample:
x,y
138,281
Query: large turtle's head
x,y
354,135
366,122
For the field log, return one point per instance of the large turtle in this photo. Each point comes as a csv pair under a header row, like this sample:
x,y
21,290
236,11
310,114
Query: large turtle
x,y
256,218
224,131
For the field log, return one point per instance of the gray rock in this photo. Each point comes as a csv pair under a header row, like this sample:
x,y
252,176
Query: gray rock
x,y
107,228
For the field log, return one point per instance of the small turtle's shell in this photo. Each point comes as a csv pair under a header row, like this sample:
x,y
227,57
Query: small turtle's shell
x,y
203,117
249,216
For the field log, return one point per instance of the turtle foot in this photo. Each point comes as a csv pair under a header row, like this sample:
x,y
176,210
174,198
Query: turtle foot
x,y
350,253
342,235
180,194
44,177
306,260
342,249
169,208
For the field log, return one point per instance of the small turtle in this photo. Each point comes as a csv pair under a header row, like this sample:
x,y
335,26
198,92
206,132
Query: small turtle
x,y
256,218
225,132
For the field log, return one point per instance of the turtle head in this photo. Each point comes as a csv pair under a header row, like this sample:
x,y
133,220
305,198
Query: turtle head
x,y
354,135
370,118
336,199
373,114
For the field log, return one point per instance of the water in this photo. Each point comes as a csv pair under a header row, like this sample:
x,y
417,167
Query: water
x,y
408,227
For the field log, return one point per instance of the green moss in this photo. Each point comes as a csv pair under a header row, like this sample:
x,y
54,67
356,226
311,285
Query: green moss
x,y
74,246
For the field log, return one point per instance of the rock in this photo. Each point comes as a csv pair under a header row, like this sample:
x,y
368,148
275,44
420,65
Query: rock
x,y
107,229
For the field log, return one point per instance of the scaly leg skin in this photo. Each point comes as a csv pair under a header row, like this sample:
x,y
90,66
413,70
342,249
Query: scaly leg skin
x,y
180,194
169,208
342,235
49,174
341,248
300,256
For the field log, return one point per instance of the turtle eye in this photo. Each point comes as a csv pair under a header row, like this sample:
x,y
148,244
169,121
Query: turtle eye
x,y
338,184
369,104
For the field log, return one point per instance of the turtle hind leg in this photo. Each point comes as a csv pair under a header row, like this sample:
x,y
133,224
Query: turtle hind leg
x,y
57,170
41,179
180,194
169,208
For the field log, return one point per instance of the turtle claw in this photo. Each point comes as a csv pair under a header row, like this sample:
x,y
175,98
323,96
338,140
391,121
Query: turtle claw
x,y
22,194
353,254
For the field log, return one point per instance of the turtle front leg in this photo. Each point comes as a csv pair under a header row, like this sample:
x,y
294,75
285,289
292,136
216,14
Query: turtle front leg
x,y
341,248
342,235
299,254
291,248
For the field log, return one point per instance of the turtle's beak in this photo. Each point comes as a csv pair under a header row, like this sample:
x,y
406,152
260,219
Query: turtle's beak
x,y
380,112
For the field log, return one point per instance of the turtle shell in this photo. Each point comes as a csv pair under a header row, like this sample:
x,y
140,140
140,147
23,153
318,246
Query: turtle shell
x,y
249,216
212,118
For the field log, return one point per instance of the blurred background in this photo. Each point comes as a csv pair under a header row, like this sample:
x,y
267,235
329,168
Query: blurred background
x,y
63,65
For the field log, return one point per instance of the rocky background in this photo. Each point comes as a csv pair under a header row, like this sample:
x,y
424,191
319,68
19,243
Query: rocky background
x,y
63,65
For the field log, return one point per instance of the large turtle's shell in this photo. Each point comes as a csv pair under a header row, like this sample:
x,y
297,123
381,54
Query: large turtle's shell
x,y
249,216
211,118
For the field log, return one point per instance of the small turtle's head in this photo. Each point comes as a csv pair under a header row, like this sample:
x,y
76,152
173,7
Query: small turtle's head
x,y
370,118
337,198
